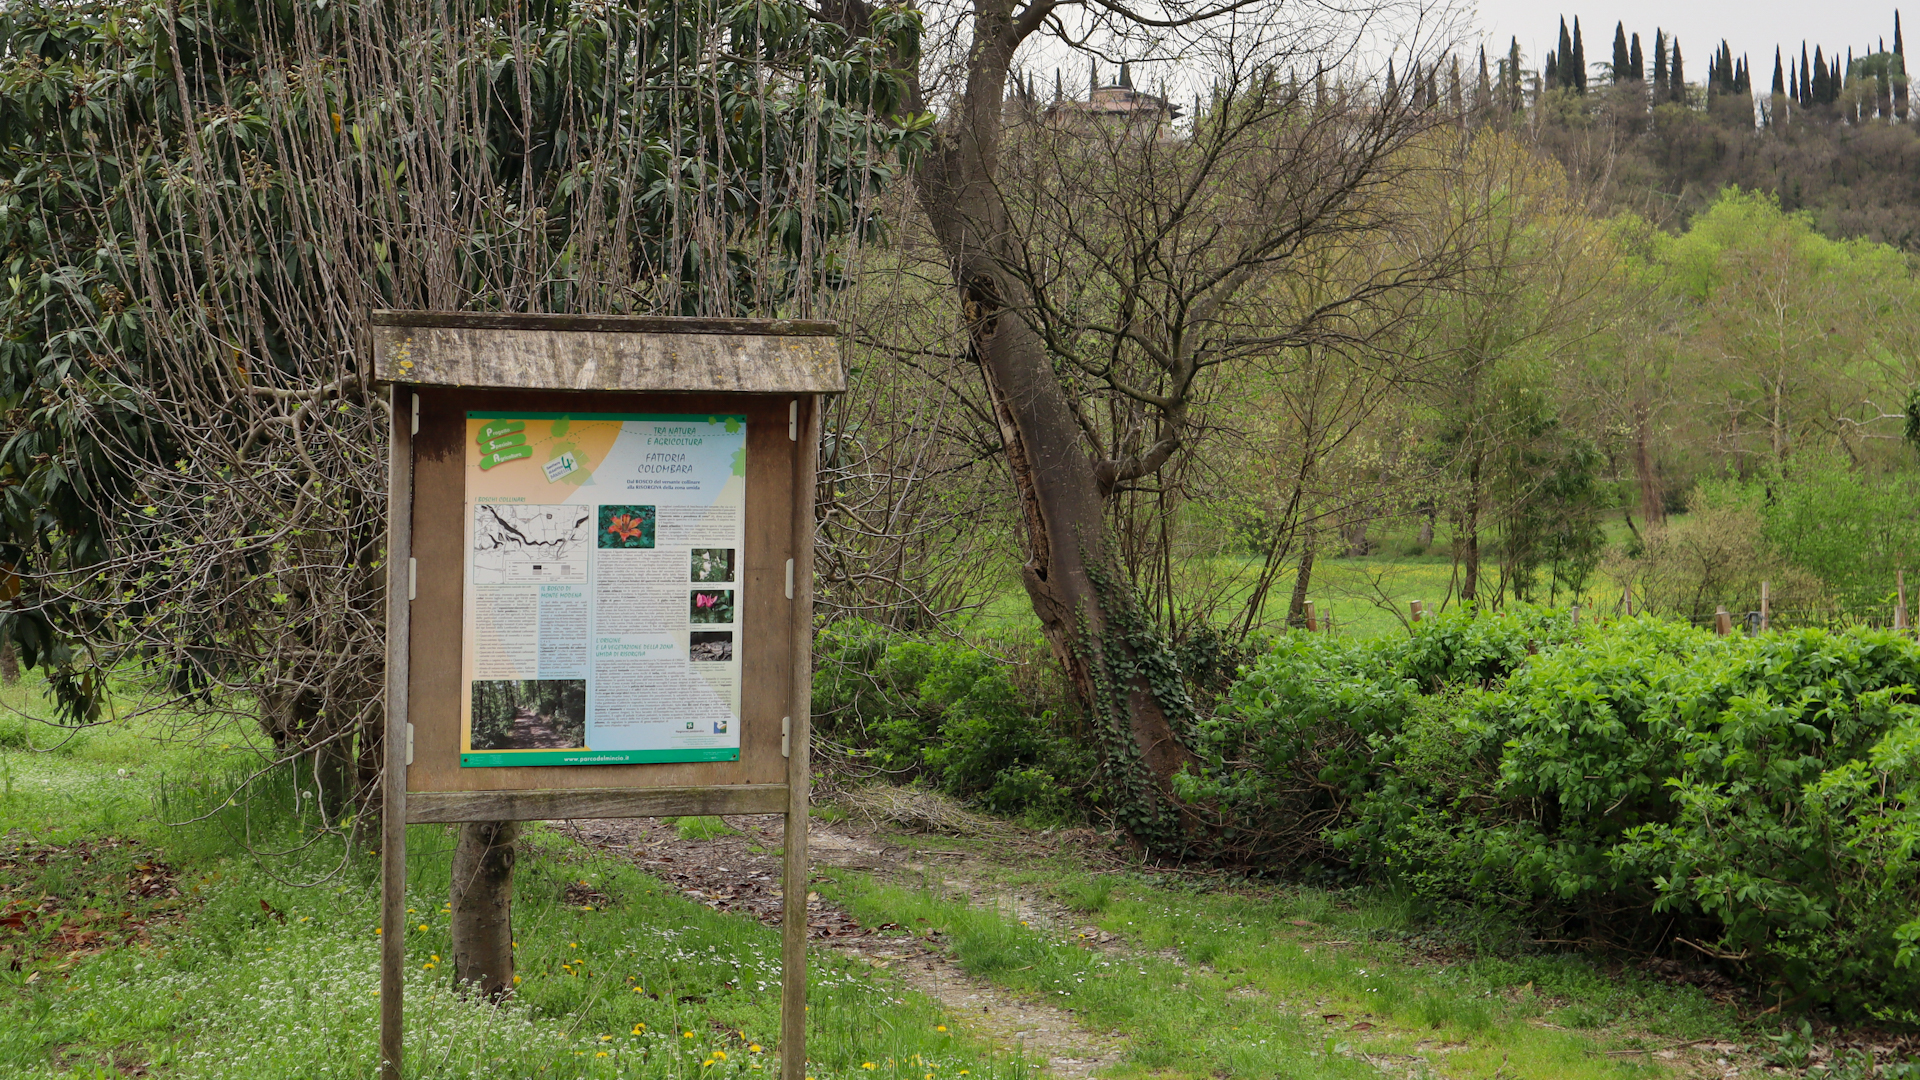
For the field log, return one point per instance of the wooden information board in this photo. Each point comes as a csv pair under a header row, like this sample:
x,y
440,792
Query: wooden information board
x,y
600,549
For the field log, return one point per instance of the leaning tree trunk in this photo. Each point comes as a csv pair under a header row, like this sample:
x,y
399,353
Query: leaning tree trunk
x,y
1111,656
482,897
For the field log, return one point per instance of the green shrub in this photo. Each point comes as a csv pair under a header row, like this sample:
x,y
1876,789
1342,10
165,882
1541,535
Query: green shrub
x,y
946,713
1640,781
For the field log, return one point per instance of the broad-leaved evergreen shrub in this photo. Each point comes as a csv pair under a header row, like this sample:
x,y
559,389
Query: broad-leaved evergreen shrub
x,y
945,713
1634,782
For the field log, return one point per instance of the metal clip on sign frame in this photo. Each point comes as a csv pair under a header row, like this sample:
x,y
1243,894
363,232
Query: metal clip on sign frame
x,y
440,365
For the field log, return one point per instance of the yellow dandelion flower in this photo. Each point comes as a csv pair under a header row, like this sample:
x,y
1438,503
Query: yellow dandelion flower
x,y
720,1055
602,1053
638,1028
436,958
868,1065
516,980
411,911
376,929
639,989
423,926
686,1034
606,1038
753,1048
426,967
940,1027
573,944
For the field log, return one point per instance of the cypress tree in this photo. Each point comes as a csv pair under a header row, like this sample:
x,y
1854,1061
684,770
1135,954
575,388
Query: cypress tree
x,y
1513,74
1833,82
1483,90
1779,75
1659,61
1579,59
1900,70
1729,75
1622,63
1564,54
1550,72
1820,77
1806,81
1677,75
1636,63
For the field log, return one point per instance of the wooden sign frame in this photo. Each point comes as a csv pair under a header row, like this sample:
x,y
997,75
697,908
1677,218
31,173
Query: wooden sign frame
x,y
438,366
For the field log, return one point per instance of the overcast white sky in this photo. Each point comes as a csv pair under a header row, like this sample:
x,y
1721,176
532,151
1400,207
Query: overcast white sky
x,y
1752,27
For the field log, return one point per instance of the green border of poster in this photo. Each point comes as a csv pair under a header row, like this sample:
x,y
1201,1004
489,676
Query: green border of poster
x,y
498,758
485,759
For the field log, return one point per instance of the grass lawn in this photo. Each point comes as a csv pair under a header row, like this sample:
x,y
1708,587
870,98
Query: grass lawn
x,y
1365,594
1302,983
132,947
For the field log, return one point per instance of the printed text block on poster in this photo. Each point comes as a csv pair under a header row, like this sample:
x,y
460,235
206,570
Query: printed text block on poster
x,y
602,588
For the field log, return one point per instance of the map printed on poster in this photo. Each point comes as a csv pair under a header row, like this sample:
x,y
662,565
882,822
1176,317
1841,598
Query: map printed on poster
x,y
602,582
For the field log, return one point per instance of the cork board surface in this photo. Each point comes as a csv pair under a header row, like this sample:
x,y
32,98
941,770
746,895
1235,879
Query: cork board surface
x,y
766,616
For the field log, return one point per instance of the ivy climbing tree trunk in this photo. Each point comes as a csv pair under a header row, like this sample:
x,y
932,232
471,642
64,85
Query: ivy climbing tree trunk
x,y
1067,570
1094,333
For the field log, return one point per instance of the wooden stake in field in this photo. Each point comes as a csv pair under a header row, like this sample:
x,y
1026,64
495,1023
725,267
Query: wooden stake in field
x,y
1313,625
1766,608
1626,597
1723,621
1900,606
1417,609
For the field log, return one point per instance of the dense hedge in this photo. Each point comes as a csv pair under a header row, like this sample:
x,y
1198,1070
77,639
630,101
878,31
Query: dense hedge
x,y
1636,783
946,713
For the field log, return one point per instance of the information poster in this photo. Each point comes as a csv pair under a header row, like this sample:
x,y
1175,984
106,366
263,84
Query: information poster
x,y
602,588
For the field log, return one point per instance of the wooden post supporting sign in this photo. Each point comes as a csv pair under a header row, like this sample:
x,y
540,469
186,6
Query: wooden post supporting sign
x,y
600,598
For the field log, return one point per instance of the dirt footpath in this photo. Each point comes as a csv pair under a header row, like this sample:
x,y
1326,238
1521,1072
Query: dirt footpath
x,y
726,875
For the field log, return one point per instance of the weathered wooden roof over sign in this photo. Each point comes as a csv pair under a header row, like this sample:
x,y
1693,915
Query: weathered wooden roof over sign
x,y
606,352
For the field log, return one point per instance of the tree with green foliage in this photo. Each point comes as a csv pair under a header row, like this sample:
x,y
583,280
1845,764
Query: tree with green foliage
x,y
1560,71
1579,55
1622,63
206,201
